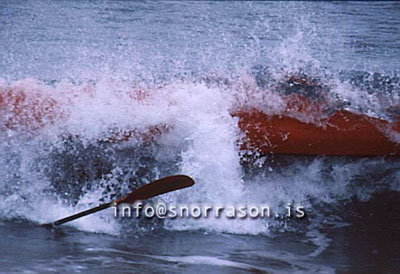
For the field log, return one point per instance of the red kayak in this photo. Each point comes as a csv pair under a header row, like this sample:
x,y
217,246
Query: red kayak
x,y
342,133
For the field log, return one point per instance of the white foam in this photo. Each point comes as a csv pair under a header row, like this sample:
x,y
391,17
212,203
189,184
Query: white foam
x,y
200,130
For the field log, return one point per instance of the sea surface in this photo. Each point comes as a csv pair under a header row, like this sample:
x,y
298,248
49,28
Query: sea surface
x,y
91,73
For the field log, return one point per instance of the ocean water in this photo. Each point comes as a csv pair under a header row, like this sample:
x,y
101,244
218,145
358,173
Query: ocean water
x,y
82,72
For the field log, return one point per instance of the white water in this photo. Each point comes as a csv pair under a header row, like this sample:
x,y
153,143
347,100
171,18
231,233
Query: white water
x,y
194,70
201,142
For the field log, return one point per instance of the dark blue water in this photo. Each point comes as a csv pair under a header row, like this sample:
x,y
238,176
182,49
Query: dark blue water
x,y
107,66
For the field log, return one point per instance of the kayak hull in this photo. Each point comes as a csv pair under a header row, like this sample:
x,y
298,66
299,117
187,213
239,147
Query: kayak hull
x,y
344,133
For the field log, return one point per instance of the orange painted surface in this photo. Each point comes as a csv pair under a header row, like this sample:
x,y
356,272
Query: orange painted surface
x,y
345,133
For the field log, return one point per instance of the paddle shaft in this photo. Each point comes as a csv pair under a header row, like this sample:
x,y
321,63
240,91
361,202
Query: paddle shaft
x,y
83,213
150,190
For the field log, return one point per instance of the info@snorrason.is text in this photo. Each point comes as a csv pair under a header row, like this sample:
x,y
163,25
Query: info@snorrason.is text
x,y
163,210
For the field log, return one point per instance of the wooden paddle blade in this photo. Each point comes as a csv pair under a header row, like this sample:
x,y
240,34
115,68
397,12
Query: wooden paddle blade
x,y
158,187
